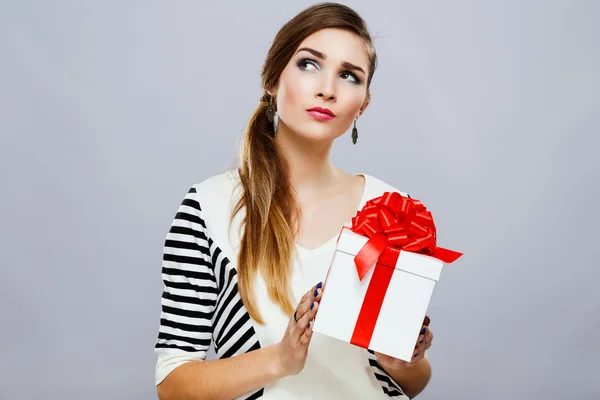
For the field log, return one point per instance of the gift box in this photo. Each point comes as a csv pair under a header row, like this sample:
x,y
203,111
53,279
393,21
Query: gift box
x,y
382,277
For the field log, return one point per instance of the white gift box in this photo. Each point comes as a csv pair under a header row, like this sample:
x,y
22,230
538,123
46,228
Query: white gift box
x,y
404,306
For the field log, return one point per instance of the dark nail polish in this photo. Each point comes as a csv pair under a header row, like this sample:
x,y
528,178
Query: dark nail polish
x,y
423,331
316,292
309,325
319,285
312,306
416,355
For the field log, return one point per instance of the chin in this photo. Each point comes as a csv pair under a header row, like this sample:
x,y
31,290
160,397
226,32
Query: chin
x,y
315,136
312,131
317,132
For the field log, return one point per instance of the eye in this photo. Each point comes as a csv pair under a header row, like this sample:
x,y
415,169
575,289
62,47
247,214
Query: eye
x,y
307,64
347,74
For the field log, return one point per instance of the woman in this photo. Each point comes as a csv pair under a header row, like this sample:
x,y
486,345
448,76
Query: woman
x,y
248,250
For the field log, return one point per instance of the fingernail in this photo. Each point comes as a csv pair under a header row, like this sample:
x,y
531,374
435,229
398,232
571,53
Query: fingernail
x,y
316,292
421,341
423,331
312,306
309,325
319,285
416,354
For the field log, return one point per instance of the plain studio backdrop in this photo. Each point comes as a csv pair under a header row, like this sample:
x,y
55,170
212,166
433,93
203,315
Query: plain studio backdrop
x,y
486,111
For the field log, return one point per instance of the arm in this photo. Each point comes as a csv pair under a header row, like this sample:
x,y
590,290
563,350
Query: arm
x,y
222,379
188,306
412,379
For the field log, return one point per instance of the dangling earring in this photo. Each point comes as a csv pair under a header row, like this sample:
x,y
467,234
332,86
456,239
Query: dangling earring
x,y
354,133
271,110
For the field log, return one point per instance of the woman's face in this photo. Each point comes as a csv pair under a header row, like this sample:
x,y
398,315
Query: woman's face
x,y
328,70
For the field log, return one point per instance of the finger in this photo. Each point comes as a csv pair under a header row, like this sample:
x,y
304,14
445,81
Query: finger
x,y
420,349
420,346
307,335
428,339
422,336
426,321
307,300
418,354
306,311
309,316
318,291
425,338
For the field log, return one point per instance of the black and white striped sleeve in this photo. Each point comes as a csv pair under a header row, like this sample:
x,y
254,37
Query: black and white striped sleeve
x,y
190,291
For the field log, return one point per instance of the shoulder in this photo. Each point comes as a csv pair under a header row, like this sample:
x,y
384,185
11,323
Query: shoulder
x,y
217,197
375,187
217,188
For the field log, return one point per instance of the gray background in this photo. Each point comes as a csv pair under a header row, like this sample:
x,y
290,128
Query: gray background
x,y
486,111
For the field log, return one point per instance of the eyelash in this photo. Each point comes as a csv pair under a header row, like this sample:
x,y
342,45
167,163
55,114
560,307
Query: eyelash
x,y
303,61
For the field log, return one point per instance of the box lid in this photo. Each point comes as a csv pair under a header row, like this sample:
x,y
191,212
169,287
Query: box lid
x,y
418,264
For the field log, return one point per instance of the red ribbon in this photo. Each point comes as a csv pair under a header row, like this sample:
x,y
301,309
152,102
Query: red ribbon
x,y
392,223
400,222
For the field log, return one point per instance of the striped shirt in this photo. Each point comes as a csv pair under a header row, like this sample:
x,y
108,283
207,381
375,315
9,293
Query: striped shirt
x,y
201,303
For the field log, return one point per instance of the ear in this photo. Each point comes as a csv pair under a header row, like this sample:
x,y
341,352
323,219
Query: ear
x,y
272,91
365,105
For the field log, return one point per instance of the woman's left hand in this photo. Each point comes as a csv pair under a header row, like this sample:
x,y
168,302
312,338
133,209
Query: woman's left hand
x,y
423,343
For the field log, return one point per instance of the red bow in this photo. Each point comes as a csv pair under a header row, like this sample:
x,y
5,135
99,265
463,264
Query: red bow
x,y
402,223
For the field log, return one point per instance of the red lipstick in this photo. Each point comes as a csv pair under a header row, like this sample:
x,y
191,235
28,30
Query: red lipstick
x,y
323,114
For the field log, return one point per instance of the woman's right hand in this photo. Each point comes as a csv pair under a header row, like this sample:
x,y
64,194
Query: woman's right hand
x,y
293,348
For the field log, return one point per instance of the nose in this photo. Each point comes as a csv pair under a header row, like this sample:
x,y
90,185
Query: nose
x,y
327,91
326,95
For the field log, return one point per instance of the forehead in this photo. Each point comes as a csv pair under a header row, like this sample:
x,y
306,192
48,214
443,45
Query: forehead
x,y
339,45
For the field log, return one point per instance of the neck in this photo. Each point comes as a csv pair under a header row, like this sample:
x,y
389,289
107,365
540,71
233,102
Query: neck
x,y
310,168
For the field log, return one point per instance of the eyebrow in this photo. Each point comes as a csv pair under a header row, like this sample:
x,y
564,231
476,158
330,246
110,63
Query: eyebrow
x,y
322,56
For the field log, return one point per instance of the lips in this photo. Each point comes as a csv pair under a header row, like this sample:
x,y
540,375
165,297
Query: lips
x,y
320,110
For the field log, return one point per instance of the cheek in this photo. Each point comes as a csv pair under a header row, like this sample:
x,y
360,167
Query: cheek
x,y
290,99
293,92
353,104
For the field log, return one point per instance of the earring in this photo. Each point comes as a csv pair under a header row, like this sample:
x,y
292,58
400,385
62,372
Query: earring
x,y
354,133
271,110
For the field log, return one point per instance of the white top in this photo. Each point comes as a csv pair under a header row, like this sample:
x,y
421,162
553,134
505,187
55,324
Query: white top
x,y
201,303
